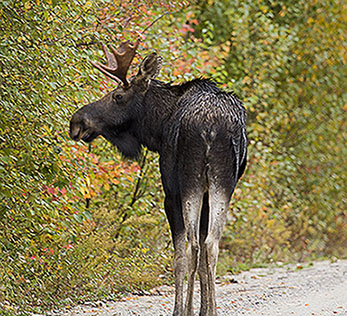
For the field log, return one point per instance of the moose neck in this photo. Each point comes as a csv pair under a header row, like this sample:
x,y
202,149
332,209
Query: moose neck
x,y
158,107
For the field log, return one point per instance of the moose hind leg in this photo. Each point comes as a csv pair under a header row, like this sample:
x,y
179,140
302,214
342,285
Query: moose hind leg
x,y
191,212
179,273
218,204
203,257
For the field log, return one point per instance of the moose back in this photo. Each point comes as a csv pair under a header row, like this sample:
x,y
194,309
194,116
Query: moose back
x,y
199,132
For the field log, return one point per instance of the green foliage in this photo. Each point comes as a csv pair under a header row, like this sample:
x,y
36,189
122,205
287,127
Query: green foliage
x,y
73,221
287,61
83,223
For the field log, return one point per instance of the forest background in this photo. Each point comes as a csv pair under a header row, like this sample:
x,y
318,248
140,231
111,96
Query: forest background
x,y
78,222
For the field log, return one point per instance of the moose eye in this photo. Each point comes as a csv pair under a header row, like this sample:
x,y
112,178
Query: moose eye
x,y
118,97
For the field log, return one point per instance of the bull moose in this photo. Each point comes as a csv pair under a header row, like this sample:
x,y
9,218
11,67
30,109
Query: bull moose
x,y
199,132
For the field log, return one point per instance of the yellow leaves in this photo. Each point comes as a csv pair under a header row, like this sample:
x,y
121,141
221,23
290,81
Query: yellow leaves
x,y
88,181
310,20
88,5
264,8
286,234
270,223
27,6
89,190
246,80
106,186
85,192
130,178
47,130
176,72
46,238
266,42
144,250
225,48
283,11
114,181
9,307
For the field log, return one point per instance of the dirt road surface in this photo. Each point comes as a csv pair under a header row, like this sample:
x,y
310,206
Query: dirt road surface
x,y
299,290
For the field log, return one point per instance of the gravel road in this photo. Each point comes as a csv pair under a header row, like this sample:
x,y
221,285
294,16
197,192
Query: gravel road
x,y
319,289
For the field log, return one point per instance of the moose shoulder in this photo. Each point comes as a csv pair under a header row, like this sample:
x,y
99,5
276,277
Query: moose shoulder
x,y
199,132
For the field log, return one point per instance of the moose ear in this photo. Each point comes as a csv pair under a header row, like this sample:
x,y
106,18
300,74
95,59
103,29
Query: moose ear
x,y
149,68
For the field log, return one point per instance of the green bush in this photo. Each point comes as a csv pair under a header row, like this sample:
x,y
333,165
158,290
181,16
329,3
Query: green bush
x,y
73,220
287,61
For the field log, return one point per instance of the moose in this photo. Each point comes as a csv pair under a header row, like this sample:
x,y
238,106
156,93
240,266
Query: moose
x,y
199,132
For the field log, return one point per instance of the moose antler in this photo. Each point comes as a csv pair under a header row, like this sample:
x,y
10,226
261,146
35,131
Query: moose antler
x,y
118,62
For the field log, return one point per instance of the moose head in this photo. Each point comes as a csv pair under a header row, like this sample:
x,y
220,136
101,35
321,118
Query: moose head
x,y
113,115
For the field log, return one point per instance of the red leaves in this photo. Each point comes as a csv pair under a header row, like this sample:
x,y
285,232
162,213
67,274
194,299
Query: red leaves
x,y
48,250
55,193
186,28
69,246
51,190
63,191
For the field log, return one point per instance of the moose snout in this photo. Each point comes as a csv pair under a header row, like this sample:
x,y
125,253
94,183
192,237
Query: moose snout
x,y
75,132
81,127
76,127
